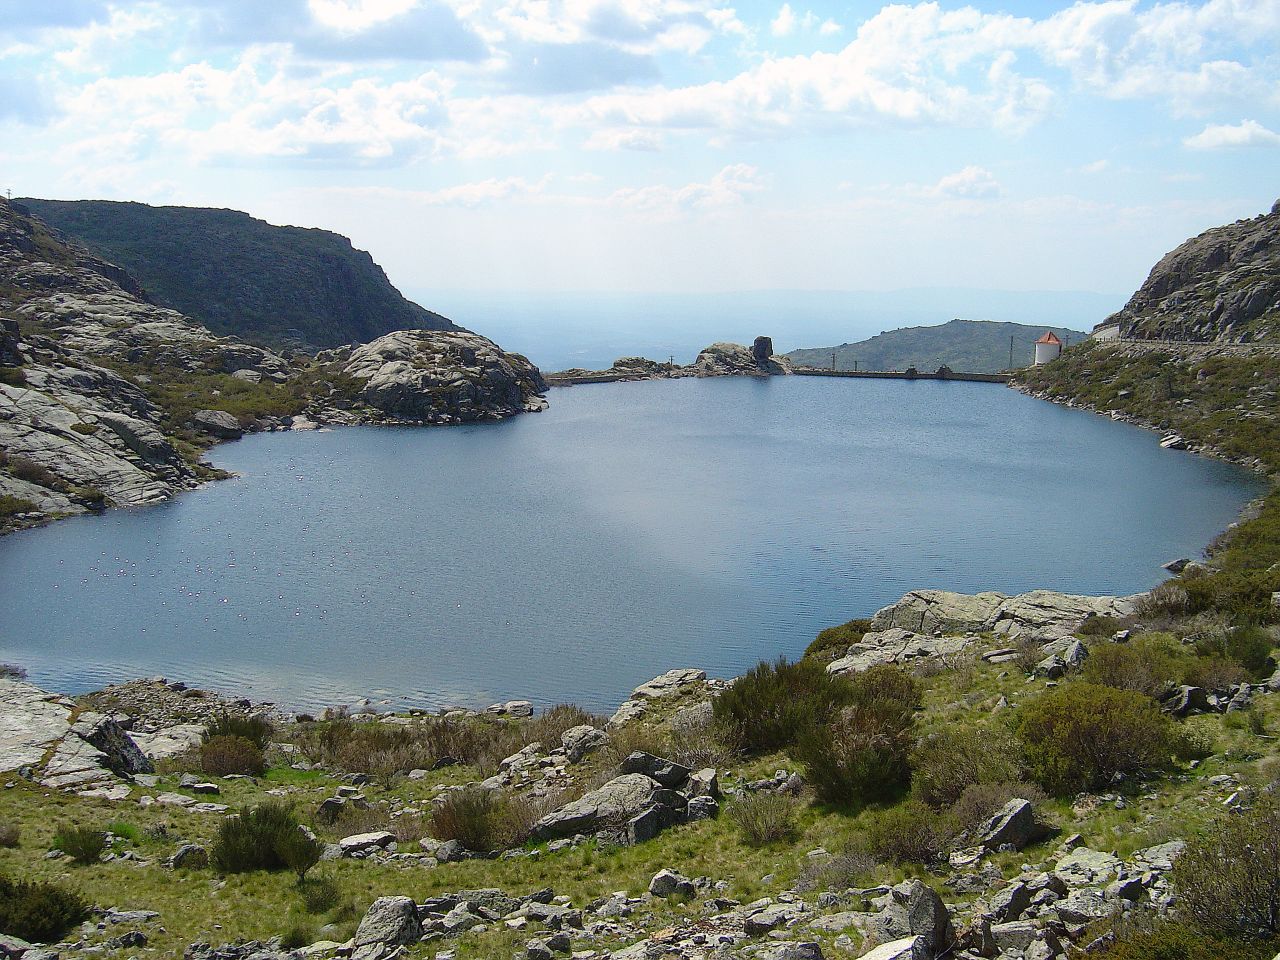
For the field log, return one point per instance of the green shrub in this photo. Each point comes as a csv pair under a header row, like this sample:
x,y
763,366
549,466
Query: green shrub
x,y
1250,646
1167,599
87,429
320,894
84,845
12,506
1151,664
256,729
12,376
9,835
954,758
255,839
1081,735
1166,939
220,756
1227,880
39,912
860,754
911,832
26,469
298,851
298,935
1243,595
123,830
832,642
765,817
481,819
1215,673
1099,625
769,706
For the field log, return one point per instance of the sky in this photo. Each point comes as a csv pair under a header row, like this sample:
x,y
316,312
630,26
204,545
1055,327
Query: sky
x,y
684,146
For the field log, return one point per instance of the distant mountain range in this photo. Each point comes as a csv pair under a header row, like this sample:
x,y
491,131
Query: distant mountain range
x,y
283,287
966,346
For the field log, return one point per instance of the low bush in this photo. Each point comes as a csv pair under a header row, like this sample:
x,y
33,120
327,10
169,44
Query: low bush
x,y
911,832
39,912
1215,673
1151,664
860,753
832,642
768,707
223,755
852,868
13,376
9,835
765,817
1028,654
258,838
1099,625
1250,646
84,845
254,728
12,506
299,851
947,762
320,894
1152,938
298,935
1227,880
32,472
1165,600
481,820
697,741
1081,735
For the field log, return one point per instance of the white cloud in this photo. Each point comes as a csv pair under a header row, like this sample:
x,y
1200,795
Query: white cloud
x,y
728,188
1097,166
1246,133
643,140
971,183
829,28
784,24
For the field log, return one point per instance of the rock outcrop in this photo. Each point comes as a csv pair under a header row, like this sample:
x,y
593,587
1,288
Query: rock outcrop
x,y
1223,286
48,738
733,359
439,376
1043,615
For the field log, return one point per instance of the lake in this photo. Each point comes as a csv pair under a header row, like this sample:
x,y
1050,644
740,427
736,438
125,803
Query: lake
x,y
572,554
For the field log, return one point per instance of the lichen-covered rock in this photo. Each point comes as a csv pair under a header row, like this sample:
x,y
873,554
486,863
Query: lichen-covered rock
x,y
610,806
733,359
896,645
438,376
389,923
939,611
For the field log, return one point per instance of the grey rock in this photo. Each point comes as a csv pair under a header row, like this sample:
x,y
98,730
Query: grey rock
x,y
670,682
582,740
217,423
908,948
704,783
1014,824
913,909
612,805
733,359
390,922
666,772
1007,904
668,883
189,856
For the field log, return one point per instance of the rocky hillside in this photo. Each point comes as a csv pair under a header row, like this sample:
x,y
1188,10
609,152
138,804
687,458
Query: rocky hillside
x,y
286,287
1222,286
966,346
107,399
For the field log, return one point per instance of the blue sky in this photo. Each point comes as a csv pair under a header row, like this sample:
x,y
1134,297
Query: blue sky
x,y
667,145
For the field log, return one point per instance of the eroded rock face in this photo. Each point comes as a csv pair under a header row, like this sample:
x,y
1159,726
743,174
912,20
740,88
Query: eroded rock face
x,y
41,731
1223,285
896,645
441,376
1042,615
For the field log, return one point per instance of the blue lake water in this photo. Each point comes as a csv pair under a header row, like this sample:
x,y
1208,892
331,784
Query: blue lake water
x,y
569,555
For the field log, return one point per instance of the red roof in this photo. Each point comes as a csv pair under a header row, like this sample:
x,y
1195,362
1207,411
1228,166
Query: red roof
x,y
1049,338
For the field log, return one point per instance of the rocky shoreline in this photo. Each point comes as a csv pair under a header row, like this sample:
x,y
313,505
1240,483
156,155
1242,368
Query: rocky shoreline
x,y
717,360
106,747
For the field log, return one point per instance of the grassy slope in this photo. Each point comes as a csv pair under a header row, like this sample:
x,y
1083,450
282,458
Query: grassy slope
x,y
967,346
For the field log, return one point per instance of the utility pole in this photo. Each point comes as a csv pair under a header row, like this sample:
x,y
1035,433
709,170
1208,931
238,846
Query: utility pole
x,y
855,366
833,360
1011,351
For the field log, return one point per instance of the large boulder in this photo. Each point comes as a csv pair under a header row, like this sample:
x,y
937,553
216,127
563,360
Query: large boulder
x,y
606,808
390,922
913,910
733,359
439,376
62,748
1013,825
939,611
217,423
1046,615
896,645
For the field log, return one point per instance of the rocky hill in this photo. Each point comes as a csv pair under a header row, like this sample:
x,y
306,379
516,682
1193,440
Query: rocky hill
x,y
967,346
285,287
107,399
1221,286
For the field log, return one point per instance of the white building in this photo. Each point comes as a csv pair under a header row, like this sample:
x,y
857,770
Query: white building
x,y
1048,347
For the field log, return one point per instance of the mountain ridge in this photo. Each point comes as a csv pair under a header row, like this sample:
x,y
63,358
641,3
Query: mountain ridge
x,y
968,346
285,287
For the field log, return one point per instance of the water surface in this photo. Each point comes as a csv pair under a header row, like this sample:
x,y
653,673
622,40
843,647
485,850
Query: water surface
x,y
569,555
